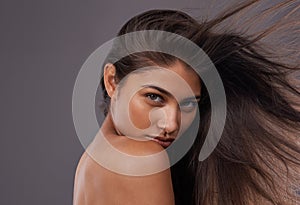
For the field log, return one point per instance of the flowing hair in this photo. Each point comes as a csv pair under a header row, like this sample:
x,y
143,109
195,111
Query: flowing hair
x,y
257,160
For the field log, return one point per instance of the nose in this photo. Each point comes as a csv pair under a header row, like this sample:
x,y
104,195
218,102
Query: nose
x,y
170,122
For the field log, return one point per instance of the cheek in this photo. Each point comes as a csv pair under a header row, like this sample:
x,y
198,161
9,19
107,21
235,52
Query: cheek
x,y
187,120
139,113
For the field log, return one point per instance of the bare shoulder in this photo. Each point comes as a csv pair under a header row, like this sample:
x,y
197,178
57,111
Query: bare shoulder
x,y
95,184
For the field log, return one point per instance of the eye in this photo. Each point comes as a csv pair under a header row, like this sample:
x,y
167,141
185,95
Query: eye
x,y
154,97
188,106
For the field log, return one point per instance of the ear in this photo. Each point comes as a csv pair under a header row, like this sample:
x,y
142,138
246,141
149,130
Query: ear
x,y
109,78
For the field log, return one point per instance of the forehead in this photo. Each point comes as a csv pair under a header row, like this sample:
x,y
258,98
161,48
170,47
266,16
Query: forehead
x,y
178,80
188,75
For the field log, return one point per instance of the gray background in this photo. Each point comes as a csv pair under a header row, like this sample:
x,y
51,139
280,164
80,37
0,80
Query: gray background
x,y
43,45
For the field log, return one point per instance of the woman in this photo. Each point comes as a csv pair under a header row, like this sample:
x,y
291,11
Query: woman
x,y
257,157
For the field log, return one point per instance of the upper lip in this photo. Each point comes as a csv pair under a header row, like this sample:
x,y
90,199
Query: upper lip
x,y
164,139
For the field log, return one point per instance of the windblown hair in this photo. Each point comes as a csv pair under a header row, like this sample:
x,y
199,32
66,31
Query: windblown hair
x,y
258,156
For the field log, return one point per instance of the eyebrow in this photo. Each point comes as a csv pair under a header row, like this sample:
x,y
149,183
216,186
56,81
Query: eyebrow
x,y
168,93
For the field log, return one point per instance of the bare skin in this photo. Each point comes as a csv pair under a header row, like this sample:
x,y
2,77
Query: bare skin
x,y
96,185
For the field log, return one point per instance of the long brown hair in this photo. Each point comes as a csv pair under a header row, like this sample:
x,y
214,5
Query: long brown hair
x,y
257,158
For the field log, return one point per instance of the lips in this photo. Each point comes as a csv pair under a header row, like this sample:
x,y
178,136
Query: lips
x,y
163,141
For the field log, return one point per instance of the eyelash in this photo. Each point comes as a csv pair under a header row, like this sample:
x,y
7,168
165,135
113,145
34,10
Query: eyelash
x,y
187,106
151,95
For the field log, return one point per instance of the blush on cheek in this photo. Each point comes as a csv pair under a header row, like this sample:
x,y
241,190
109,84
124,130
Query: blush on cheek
x,y
139,113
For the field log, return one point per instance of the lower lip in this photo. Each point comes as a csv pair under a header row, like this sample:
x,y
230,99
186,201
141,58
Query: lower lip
x,y
162,143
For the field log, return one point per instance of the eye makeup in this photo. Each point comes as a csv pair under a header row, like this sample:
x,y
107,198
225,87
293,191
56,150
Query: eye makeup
x,y
165,92
156,96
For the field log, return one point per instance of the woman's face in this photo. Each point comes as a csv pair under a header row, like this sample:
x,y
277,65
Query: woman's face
x,y
157,103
